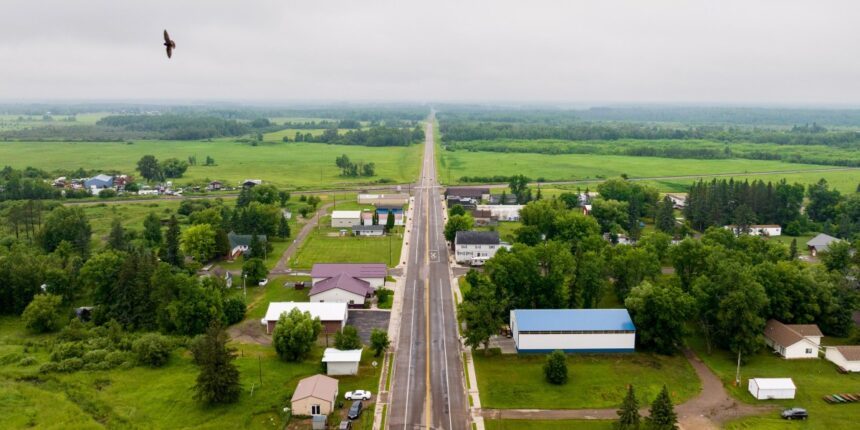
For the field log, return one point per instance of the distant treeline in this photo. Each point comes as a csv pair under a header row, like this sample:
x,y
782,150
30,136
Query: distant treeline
x,y
691,149
723,202
374,136
316,125
177,127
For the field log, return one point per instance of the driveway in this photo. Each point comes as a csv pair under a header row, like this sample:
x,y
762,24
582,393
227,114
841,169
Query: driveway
x,y
367,320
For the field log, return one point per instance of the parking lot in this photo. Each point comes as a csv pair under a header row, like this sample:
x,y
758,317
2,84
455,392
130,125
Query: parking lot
x,y
367,320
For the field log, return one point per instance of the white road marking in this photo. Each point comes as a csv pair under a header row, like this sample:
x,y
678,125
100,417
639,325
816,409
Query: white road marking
x,y
409,362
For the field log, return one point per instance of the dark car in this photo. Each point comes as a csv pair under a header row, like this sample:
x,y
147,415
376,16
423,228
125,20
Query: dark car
x,y
354,410
345,425
795,414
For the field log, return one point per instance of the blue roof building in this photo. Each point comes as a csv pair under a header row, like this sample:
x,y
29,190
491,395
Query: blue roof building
x,y
99,181
573,330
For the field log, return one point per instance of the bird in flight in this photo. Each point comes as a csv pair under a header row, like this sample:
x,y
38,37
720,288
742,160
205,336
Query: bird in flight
x,y
171,45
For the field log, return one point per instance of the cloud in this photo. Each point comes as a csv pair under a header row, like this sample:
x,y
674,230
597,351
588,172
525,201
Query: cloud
x,y
732,51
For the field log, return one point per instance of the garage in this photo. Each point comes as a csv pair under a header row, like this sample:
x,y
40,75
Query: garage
x,y
772,388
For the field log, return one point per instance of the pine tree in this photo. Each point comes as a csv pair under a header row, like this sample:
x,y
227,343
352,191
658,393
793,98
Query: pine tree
x,y
663,416
256,248
218,381
666,216
116,238
172,254
152,229
628,415
792,250
389,222
244,198
538,196
283,228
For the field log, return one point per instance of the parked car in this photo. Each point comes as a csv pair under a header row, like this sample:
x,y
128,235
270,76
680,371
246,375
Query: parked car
x,y
795,414
354,410
357,395
345,425
264,282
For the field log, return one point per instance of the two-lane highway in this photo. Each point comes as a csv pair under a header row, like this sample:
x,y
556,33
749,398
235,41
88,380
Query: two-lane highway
x,y
427,389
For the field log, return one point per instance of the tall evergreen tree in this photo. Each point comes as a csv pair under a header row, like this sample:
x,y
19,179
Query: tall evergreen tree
x,y
256,249
172,253
244,198
389,222
663,416
218,381
283,228
666,216
152,229
116,237
792,250
628,415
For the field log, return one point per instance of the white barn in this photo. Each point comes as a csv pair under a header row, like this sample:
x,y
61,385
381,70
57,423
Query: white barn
x,y
345,218
341,362
772,388
793,340
846,357
766,230
573,330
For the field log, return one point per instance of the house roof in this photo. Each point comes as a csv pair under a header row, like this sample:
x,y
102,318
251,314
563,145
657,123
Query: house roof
x,y
390,208
346,214
356,270
341,282
789,334
243,239
482,213
324,311
774,383
573,319
850,352
319,386
332,355
477,238
368,228
821,241
474,192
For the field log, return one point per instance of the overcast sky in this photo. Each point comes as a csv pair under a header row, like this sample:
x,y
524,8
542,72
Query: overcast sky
x,y
569,51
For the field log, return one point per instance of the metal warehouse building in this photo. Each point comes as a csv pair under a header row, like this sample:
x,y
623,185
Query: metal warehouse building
x,y
573,330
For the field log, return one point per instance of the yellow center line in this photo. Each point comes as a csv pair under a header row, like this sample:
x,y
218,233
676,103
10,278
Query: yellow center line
x,y
427,299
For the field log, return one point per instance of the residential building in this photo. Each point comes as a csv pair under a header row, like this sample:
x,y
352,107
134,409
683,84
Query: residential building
x,y
474,193
502,212
240,244
772,388
341,362
820,243
847,357
345,218
476,247
368,230
372,273
250,183
757,230
214,186
332,315
341,288
315,395
793,340
573,330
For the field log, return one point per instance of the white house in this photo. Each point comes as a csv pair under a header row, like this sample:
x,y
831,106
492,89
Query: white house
x,y
368,230
332,315
502,212
772,388
476,247
757,230
341,362
345,218
573,330
342,289
793,340
846,357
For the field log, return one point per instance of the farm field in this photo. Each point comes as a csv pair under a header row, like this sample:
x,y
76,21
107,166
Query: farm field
x,y
813,378
548,424
595,380
286,165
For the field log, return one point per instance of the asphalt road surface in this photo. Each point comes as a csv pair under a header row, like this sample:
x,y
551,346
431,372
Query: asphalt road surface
x,y
427,390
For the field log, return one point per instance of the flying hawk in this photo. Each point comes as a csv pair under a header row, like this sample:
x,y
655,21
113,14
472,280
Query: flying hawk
x,y
171,45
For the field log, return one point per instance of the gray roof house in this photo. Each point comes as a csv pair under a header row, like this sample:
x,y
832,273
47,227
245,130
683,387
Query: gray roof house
x,y
99,181
820,243
477,238
476,193
241,243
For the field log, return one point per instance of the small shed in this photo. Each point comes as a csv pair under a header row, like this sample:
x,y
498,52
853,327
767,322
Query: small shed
x,y
772,388
341,362
368,230
315,395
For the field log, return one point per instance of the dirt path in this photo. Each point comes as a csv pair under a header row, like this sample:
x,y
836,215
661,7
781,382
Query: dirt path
x,y
282,267
707,411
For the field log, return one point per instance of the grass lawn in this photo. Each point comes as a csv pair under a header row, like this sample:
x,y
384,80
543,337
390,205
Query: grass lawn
x,y
595,380
813,378
319,247
286,165
274,291
272,257
801,242
507,230
548,424
130,214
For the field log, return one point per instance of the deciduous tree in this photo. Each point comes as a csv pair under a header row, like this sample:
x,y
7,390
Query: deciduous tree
x,y
295,335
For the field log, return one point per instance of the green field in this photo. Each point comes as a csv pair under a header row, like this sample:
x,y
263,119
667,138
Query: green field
x,y
260,297
813,378
286,165
548,424
595,380
322,247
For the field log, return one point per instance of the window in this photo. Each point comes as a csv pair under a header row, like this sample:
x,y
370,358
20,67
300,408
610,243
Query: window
x,y
315,409
352,302
809,350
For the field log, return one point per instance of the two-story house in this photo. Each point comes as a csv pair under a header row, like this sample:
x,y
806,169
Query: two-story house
x,y
476,247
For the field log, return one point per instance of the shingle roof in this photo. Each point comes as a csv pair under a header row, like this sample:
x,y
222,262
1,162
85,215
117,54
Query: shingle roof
x,y
787,335
573,319
850,352
356,270
319,386
477,238
473,192
243,239
341,282
822,241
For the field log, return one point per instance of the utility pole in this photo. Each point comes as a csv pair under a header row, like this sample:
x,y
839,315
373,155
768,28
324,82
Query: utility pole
x,y
738,373
244,289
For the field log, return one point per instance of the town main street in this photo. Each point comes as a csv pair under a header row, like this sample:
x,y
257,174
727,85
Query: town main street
x,y
427,389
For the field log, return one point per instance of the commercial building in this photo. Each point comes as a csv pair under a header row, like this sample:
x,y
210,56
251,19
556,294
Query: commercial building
x,y
573,330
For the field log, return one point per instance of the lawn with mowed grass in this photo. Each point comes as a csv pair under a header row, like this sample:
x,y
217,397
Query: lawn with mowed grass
x,y
548,424
275,291
327,246
286,165
814,379
595,380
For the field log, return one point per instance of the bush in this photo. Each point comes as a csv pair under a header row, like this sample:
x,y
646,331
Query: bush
x,y
107,193
234,310
42,314
347,338
49,367
27,361
117,358
555,369
152,349
95,356
65,350
70,365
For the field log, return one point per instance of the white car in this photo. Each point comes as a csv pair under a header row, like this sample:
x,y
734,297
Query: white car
x,y
357,395
264,282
